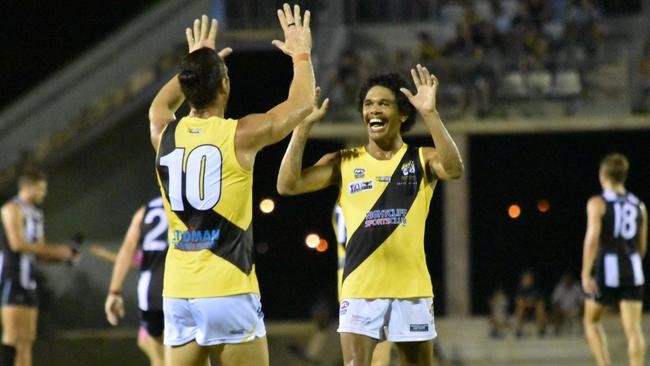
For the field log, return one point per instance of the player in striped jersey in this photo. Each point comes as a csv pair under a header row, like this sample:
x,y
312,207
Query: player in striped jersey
x,y
382,354
385,191
147,233
23,242
615,243
204,164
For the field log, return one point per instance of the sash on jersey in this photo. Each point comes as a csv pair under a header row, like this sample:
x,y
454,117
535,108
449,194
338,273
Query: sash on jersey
x,y
387,213
229,241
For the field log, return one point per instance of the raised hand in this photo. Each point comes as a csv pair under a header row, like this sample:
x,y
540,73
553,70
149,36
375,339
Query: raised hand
x,y
200,36
297,35
426,87
318,112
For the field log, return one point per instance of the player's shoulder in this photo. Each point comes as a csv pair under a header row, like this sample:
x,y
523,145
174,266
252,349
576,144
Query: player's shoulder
x,y
12,207
596,202
352,151
634,199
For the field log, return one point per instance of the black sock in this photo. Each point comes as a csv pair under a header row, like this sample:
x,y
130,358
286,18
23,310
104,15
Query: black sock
x,y
7,355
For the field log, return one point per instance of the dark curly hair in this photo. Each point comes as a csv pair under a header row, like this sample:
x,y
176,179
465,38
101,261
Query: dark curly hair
x,y
393,82
200,76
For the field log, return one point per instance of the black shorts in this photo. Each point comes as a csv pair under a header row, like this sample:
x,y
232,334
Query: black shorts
x,y
14,294
614,295
153,321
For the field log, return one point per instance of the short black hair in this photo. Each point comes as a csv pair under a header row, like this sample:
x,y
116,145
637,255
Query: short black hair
x,y
31,175
200,76
393,82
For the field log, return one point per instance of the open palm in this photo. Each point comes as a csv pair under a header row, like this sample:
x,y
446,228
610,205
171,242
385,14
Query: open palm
x,y
426,88
204,35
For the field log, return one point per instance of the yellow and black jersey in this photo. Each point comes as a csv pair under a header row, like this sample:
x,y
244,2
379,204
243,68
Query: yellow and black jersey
x,y
338,222
208,200
385,205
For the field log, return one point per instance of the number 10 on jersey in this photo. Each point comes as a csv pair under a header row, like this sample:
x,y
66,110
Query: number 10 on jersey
x,y
202,177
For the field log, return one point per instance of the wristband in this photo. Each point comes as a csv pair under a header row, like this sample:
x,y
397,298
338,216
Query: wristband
x,y
301,57
115,292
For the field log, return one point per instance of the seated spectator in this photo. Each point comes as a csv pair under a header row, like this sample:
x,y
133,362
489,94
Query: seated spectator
x,y
529,299
642,103
483,85
566,300
499,321
426,50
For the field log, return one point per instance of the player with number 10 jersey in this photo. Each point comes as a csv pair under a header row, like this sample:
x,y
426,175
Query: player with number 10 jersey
x,y
210,231
204,164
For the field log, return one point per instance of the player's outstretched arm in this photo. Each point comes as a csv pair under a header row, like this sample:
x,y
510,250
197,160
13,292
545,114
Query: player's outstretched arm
x,y
595,212
443,161
13,222
114,306
292,179
170,97
256,131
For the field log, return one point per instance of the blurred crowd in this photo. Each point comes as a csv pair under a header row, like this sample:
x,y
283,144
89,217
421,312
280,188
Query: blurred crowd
x,y
560,313
642,102
487,51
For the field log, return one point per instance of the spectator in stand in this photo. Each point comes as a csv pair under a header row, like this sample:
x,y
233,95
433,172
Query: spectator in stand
x,y
499,321
483,79
567,302
426,50
643,99
529,299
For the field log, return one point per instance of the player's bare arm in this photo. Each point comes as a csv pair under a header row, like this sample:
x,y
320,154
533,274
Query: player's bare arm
x,y
114,306
12,219
292,179
256,131
643,237
443,161
170,97
595,211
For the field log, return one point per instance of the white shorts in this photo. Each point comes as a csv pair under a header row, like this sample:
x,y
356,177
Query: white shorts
x,y
213,320
406,320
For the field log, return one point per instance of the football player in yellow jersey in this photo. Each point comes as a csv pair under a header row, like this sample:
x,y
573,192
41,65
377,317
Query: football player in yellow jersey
x,y
204,164
385,191
382,353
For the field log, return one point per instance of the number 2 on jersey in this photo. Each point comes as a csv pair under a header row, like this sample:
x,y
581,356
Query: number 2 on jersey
x,y
202,177
151,240
625,216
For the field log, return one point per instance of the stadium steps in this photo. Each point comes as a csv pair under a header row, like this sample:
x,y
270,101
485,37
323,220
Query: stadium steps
x,y
466,342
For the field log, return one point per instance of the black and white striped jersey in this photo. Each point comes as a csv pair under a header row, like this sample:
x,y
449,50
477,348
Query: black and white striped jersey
x,y
153,244
19,267
619,262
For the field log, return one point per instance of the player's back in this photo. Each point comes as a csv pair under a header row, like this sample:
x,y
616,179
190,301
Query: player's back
x,y
153,246
619,260
207,196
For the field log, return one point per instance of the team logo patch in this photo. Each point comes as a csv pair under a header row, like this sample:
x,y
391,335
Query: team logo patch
x,y
383,179
408,168
364,185
195,130
419,327
391,216
359,173
344,307
194,240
